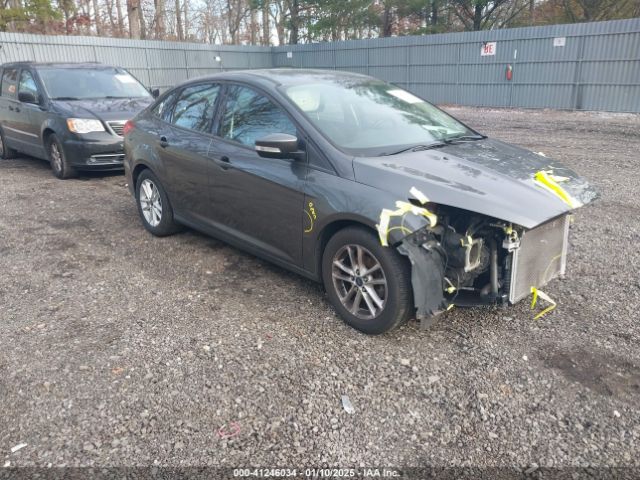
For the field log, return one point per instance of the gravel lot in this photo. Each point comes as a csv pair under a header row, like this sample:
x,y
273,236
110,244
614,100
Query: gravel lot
x,y
118,348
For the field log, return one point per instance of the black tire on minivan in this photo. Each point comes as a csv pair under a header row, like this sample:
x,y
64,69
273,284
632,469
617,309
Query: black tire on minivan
x,y
6,153
58,160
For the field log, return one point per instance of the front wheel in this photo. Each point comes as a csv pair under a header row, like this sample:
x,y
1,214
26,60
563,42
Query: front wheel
x,y
153,206
58,160
6,153
368,284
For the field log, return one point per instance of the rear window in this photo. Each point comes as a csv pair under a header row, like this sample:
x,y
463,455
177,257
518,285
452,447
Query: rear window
x,y
9,82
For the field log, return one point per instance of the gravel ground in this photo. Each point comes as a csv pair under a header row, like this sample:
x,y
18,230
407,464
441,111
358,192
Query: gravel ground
x,y
118,348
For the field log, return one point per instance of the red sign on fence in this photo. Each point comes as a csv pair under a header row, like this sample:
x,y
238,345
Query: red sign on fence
x,y
488,48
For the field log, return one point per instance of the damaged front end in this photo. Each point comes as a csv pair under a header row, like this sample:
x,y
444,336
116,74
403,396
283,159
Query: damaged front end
x,y
469,259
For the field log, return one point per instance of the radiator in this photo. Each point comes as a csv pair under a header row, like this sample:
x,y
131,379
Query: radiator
x,y
542,256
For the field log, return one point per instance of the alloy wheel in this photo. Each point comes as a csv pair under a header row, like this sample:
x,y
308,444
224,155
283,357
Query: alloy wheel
x,y
150,202
359,281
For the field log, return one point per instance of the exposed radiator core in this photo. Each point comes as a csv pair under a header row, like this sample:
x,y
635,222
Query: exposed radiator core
x,y
542,256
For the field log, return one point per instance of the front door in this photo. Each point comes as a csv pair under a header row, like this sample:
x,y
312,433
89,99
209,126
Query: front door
x,y
30,116
256,199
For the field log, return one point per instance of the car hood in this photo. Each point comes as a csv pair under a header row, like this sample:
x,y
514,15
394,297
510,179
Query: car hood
x,y
104,109
486,176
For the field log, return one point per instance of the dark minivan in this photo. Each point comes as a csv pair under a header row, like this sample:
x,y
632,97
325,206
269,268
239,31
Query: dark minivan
x,y
70,114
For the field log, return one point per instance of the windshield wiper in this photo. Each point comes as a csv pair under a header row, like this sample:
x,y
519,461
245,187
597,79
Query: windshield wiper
x,y
417,148
465,138
65,98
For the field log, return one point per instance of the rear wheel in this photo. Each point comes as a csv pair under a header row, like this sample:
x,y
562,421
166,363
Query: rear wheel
x,y
6,153
368,284
59,163
154,206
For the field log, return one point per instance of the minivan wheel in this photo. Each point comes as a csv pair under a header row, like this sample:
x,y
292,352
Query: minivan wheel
x,y
368,284
6,153
59,163
154,206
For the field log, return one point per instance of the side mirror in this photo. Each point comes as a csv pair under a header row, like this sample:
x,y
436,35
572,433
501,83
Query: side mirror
x,y
277,145
155,92
27,97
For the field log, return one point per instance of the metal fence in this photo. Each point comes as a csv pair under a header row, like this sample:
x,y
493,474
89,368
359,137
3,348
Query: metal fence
x,y
157,64
591,66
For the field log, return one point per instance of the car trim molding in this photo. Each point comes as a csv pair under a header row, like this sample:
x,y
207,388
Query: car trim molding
x,y
21,131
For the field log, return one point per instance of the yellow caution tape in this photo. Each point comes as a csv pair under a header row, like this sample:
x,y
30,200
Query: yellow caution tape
x,y
539,293
451,305
451,288
421,197
550,182
402,208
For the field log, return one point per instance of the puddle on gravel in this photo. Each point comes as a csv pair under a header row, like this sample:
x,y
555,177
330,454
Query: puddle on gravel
x,y
600,372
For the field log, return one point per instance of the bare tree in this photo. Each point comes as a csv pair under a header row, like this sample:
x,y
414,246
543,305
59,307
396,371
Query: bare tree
x,y
120,18
97,19
187,25
133,12
179,30
266,31
160,19
476,14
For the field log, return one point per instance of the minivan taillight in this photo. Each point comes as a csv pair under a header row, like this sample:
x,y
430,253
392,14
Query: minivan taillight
x,y
128,126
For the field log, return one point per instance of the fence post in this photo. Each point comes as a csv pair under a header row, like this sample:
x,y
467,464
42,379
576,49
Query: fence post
x,y
457,94
577,74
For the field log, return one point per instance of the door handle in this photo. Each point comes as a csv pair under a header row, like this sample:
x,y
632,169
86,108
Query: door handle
x,y
223,162
10,108
17,109
163,142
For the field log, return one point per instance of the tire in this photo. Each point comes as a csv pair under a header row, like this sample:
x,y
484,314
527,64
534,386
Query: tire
x,y
6,153
390,281
58,160
154,207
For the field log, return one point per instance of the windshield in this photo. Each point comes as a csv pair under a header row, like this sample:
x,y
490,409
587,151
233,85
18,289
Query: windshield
x,y
90,83
372,117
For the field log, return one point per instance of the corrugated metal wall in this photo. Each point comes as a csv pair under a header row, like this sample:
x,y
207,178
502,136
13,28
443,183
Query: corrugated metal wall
x,y
157,64
598,68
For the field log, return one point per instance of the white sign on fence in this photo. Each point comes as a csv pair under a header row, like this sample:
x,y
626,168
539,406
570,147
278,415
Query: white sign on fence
x,y
559,41
289,54
488,48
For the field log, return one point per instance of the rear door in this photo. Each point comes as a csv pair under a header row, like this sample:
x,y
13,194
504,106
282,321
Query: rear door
x,y
258,200
183,143
9,108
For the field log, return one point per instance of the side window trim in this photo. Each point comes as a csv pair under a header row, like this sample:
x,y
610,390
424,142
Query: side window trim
x,y
176,97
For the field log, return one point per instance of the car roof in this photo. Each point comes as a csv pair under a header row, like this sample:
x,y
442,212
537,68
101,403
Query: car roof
x,y
286,76
56,64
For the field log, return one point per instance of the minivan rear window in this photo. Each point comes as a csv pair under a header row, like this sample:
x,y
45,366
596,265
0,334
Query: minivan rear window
x,y
9,82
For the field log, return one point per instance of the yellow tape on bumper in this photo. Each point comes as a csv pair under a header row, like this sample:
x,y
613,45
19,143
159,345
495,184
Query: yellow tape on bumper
x,y
402,208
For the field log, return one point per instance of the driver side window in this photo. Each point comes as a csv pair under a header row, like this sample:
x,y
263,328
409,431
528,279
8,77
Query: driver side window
x,y
27,83
249,115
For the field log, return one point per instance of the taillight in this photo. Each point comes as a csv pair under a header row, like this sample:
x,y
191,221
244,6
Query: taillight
x,y
128,126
